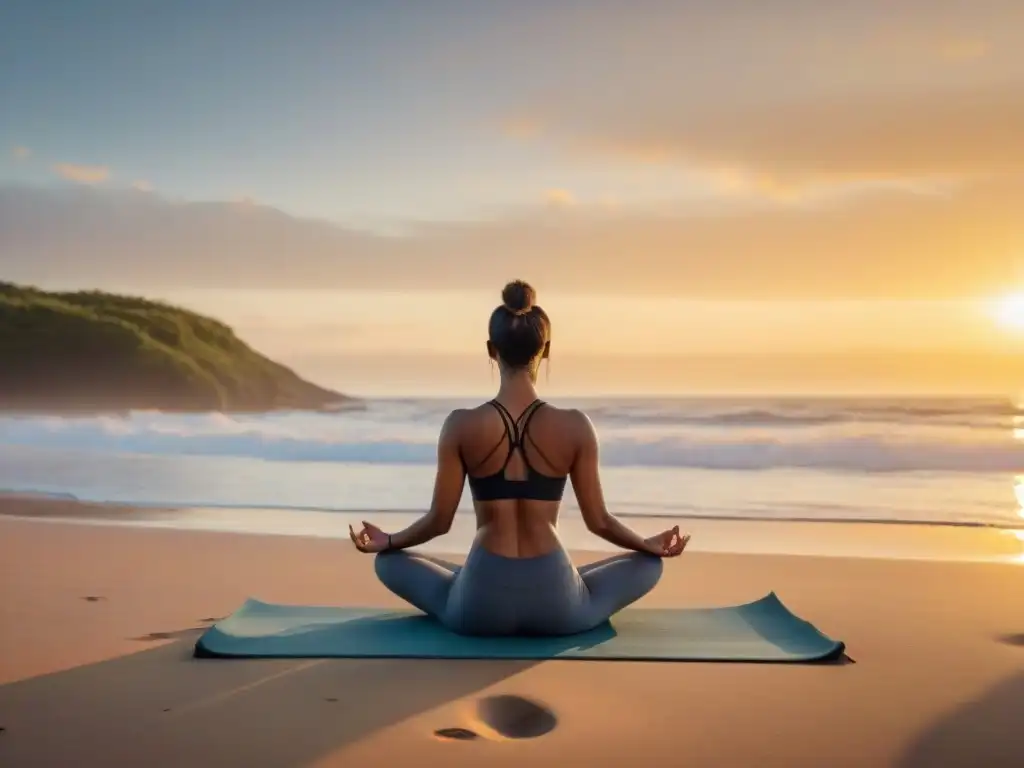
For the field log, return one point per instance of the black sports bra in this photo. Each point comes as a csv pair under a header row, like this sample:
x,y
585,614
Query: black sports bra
x,y
535,486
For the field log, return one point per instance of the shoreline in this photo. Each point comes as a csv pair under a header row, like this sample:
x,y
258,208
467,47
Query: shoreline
x,y
730,536
138,506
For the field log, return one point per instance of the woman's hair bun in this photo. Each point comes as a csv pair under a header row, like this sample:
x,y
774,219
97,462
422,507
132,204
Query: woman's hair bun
x,y
519,297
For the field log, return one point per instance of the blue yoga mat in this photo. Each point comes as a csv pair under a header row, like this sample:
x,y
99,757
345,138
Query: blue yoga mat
x,y
764,630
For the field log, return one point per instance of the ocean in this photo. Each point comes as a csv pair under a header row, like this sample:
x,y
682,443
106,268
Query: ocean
x,y
926,462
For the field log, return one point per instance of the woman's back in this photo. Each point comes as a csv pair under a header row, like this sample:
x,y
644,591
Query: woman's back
x,y
516,452
517,457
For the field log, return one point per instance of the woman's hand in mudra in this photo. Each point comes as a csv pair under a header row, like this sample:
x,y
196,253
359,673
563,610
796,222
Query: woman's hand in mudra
x,y
669,543
370,539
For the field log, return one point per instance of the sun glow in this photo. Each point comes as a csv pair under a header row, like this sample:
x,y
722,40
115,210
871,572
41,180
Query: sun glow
x,y
1009,311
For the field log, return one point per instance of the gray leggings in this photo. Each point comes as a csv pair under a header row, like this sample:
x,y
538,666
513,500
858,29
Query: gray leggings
x,y
496,595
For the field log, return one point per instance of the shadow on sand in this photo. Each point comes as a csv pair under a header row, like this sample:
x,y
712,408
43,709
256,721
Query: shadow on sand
x,y
984,732
162,707
1017,639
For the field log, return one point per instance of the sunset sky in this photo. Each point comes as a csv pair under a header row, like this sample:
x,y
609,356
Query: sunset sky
x,y
778,196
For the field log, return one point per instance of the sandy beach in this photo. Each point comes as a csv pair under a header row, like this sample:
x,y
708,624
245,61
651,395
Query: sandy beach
x,y
97,626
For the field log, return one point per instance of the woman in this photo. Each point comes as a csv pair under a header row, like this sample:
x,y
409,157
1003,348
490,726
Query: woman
x,y
517,452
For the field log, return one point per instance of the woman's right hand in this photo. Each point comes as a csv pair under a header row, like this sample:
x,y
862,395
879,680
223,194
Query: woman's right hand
x,y
669,543
370,539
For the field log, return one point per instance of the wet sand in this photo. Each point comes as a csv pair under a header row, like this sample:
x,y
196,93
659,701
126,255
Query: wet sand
x,y
876,540
97,625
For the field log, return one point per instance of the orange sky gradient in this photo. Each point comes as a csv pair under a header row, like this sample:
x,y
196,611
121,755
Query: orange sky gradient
x,y
397,343
709,197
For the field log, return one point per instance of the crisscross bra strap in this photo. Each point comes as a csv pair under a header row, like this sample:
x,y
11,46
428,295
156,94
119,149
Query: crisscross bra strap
x,y
515,432
516,429
510,432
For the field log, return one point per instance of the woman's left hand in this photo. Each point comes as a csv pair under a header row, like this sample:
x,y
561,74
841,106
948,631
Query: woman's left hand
x,y
370,538
671,543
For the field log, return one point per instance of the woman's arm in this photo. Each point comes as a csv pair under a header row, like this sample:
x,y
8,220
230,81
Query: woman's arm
x,y
448,486
586,482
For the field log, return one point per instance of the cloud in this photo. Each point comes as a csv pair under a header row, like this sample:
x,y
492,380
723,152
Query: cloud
x,y
883,244
522,128
21,153
142,186
916,45
792,146
560,197
83,174
964,49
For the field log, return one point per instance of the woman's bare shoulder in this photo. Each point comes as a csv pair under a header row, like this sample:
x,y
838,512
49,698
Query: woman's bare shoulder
x,y
573,419
468,414
461,419
456,420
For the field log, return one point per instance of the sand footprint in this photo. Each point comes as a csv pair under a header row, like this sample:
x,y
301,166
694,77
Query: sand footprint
x,y
504,717
456,734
